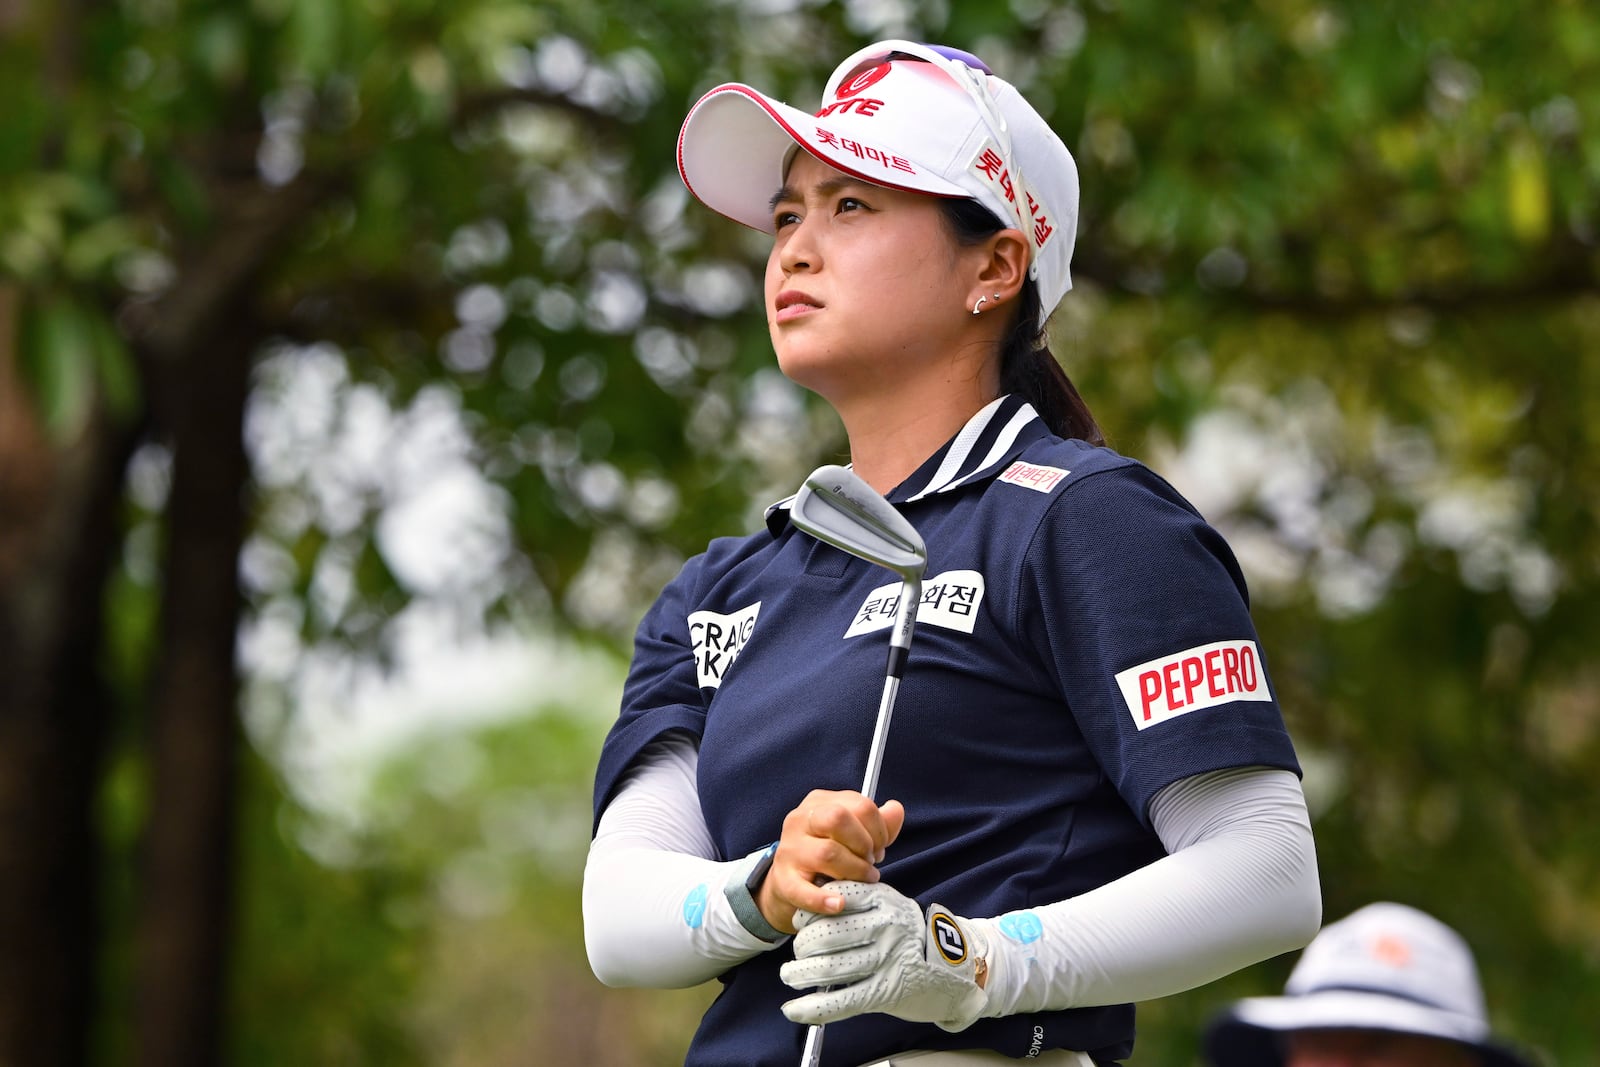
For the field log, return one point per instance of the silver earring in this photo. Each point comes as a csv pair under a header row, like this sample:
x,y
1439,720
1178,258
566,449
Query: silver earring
x,y
981,301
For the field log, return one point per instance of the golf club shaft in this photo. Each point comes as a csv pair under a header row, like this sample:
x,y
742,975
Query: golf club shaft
x,y
899,648
812,1056
880,737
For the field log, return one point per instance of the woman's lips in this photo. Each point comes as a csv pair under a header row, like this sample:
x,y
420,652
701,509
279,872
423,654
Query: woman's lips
x,y
792,304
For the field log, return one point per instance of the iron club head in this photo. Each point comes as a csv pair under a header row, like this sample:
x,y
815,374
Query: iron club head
x,y
837,507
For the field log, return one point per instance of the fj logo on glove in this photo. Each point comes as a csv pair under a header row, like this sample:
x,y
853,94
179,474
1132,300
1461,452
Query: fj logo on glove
x,y
885,953
947,937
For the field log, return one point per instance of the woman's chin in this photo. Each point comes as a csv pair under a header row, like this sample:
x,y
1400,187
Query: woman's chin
x,y
812,370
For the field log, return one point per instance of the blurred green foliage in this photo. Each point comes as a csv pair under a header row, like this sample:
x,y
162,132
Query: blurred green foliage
x,y
1336,274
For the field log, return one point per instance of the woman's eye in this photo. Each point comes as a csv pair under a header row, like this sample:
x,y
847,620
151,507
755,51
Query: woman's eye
x,y
850,203
784,218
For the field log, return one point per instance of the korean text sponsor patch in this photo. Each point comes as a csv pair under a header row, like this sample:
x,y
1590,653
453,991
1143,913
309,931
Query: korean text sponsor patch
x,y
1193,680
863,151
718,639
990,166
1033,476
949,600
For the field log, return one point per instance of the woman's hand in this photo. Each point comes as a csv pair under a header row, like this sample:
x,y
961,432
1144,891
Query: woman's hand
x,y
832,835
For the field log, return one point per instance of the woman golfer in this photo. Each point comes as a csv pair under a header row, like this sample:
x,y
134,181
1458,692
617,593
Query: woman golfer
x,y
1095,800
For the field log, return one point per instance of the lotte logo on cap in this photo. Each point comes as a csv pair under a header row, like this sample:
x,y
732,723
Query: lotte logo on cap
x,y
863,80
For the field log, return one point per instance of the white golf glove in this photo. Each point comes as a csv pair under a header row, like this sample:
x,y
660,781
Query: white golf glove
x,y
883,954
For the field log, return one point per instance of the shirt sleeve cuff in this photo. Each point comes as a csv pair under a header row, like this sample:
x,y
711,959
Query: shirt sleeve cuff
x,y
739,889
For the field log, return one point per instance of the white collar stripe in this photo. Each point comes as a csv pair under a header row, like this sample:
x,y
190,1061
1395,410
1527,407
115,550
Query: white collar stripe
x,y
960,449
1002,445
949,476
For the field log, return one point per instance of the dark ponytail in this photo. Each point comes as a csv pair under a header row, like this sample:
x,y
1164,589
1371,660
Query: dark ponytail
x,y
1027,366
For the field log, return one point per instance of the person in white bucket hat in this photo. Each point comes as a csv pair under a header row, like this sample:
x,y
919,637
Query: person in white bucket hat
x,y
1094,798
1387,986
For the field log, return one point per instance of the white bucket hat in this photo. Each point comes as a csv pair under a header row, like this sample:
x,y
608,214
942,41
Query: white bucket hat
x,y
919,117
1385,967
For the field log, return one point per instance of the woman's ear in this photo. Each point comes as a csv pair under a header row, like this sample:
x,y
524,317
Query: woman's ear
x,y
1005,269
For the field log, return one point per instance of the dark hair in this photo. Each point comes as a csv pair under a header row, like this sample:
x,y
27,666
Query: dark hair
x,y
1027,366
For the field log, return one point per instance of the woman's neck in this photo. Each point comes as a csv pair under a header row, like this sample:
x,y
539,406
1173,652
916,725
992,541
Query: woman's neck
x,y
892,434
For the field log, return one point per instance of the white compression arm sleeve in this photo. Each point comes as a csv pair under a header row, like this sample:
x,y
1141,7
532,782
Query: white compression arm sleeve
x,y
654,912
1239,885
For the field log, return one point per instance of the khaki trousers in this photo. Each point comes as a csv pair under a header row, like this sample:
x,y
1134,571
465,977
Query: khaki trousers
x,y
1056,1057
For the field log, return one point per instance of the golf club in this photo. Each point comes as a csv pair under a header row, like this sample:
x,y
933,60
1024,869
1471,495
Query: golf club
x,y
836,507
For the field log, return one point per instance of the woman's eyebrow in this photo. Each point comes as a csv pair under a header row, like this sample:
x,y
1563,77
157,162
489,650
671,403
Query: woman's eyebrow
x,y
825,188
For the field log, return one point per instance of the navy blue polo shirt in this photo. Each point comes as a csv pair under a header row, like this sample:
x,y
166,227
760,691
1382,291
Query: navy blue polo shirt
x,y
1083,640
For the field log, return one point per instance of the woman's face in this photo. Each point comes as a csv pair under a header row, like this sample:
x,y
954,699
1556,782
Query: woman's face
x,y
1373,1048
865,285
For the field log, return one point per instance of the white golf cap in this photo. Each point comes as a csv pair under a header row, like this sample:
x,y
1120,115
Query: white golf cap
x,y
1385,967
919,117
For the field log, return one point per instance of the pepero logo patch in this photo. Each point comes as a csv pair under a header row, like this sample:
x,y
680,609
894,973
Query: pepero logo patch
x,y
718,639
1194,680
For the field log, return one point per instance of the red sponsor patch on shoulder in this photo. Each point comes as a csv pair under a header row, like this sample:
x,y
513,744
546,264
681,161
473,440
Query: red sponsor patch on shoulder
x,y
1193,680
1031,476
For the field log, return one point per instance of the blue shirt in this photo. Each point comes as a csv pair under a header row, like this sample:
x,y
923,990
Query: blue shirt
x,y
1083,640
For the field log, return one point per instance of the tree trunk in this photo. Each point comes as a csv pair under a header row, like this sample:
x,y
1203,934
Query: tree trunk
x,y
58,537
185,909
